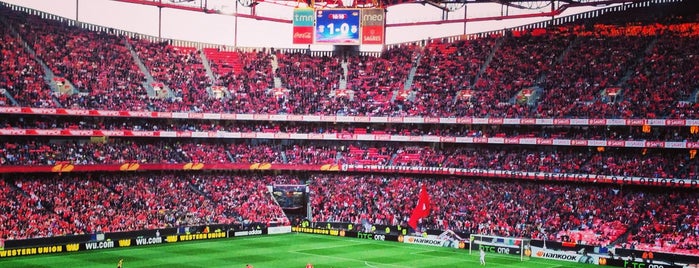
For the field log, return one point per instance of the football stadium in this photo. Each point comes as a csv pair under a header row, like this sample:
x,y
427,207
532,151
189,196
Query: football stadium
x,y
349,133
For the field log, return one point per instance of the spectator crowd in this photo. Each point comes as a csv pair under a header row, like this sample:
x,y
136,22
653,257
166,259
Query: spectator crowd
x,y
597,70
631,70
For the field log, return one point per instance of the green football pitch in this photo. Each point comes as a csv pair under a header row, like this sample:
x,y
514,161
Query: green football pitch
x,y
279,251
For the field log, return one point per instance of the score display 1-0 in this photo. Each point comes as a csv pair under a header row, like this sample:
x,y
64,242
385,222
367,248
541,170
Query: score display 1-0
x,y
337,26
344,29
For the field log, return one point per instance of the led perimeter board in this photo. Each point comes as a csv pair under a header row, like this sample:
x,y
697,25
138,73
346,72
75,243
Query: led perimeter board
x,y
337,26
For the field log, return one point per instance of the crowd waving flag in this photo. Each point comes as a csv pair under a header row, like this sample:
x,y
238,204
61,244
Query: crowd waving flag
x,y
422,209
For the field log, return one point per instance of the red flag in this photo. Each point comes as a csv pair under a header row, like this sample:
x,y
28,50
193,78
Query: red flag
x,y
422,209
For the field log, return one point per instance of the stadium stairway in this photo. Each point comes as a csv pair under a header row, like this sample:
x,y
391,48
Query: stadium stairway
x,y
207,67
275,65
343,79
411,75
148,84
48,74
283,155
230,156
488,59
9,97
542,78
638,61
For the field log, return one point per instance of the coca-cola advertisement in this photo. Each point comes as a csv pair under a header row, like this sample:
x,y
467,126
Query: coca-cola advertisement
x,y
303,35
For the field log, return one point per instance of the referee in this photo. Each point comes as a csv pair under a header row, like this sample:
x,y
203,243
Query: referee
x,y
120,263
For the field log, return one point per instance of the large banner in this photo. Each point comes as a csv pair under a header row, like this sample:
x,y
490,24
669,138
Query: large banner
x,y
373,20
303,26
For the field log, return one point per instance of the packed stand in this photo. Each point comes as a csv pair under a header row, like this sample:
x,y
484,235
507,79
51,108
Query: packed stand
x,y
38,152
98,65
246,197
58,205
377,84
595,63
349,131
251,89
20,75
585,214
445,70
675,230
469,205
29,216
309,80
178,68
596,70
517,65
665,84
626,162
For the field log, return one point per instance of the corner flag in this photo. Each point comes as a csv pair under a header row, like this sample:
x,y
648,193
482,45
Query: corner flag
x,y
422,209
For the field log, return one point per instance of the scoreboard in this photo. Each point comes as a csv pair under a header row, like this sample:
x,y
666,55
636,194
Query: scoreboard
x,y
339,26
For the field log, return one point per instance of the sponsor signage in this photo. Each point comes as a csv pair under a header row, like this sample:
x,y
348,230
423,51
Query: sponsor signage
x,y
562,256
247,233
500,249
99,245
302,35
370,236
633,264
408,239
279,230
310,230
192,237
32,251
148,241
303,26
373,20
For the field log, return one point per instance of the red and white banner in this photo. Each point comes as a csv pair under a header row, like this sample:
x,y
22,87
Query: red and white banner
x,y
356,119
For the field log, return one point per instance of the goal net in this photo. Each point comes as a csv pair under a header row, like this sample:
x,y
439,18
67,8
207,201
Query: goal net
x,y
500,245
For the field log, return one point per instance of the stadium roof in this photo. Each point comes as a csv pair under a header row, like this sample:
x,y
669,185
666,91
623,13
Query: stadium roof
x,y
211,6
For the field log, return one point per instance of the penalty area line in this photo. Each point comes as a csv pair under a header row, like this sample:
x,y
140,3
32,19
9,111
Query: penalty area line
x,y
369,265
347,259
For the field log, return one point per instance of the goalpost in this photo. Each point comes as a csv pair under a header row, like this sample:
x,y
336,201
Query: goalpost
x,y
500,245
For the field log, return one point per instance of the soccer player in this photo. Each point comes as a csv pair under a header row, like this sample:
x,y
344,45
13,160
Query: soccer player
x,y
482,257
120,263
309,265
248,266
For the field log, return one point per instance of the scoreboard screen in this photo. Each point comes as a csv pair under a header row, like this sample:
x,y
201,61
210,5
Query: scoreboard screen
x,y
337,26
